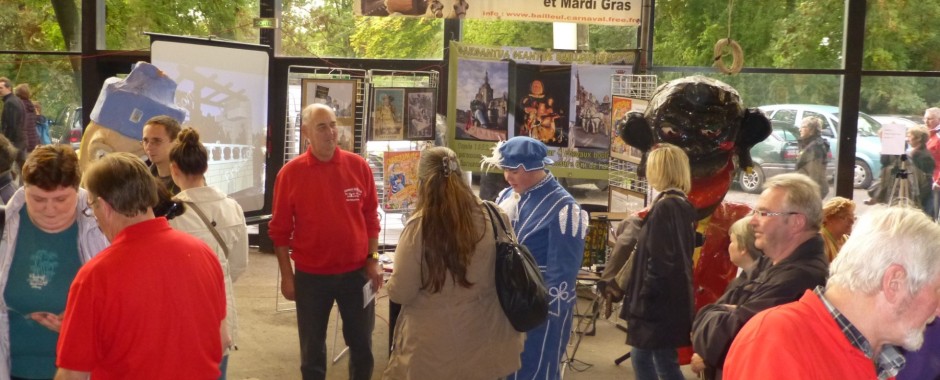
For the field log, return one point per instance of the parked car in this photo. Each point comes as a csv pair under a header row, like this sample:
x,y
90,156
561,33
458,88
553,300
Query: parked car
x,y
868,145
777,154
67,127
907,121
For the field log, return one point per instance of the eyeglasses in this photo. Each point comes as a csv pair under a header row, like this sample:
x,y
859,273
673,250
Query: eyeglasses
x,y
765,214
89,211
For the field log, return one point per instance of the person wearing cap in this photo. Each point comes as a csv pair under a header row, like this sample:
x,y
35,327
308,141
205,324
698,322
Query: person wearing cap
x,y
551,224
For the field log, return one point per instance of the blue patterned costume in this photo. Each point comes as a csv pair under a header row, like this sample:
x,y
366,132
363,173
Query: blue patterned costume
x,y
549,222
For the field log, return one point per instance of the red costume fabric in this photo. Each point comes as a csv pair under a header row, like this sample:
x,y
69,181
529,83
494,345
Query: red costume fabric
x,y
798,340
933,146
325,212
150,306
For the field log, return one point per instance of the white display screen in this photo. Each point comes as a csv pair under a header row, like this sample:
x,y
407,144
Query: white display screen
x,y
225,91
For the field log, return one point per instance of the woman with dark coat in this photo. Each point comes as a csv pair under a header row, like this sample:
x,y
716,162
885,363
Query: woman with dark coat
x,y
814,154
658,304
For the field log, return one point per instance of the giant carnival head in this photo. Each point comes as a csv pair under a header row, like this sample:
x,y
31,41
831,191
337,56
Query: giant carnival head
x,y
122,109
706,118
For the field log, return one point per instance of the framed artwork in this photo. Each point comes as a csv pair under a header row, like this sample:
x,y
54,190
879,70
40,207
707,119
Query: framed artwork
x,y
620,107
482,101
338,94
388,114
345,134
401,180
624,201
420,111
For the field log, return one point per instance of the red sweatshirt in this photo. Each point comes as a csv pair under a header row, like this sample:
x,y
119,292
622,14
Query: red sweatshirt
x,y
326,212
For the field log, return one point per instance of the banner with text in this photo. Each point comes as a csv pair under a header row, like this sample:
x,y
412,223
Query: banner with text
x,y
560,98
603,12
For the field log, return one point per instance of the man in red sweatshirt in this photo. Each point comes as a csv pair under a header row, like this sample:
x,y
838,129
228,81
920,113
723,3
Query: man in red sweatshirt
x,y
325,218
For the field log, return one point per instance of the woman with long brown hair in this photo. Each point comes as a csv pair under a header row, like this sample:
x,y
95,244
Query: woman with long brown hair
x,y
451,324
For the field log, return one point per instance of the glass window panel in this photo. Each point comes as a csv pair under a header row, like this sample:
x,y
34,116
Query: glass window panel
x,y
54,82
33,25
539,35
328,28
898,37
773,33
126,21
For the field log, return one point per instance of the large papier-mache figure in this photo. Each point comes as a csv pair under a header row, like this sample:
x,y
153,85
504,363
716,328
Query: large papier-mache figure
x,y
123,107
707,119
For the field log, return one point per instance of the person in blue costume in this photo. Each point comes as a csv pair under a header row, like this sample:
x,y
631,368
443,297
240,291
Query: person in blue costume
x,y
548,221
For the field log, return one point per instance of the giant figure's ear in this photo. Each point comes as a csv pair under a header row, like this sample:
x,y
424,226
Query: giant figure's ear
x,y
754,128
636,132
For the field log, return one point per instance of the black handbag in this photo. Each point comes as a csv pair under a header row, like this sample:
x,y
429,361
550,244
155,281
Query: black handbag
x,y
519,283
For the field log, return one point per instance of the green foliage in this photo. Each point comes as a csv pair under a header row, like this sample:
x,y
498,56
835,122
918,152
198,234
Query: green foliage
x,y
127,20
398,37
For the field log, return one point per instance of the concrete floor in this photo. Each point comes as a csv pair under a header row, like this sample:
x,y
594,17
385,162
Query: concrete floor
x,y
269,349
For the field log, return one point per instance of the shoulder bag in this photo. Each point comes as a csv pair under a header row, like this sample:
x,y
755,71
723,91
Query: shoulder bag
x,y
519,283
209,225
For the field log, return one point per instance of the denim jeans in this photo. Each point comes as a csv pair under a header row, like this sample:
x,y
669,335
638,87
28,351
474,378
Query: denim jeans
x,y
656,364
315,295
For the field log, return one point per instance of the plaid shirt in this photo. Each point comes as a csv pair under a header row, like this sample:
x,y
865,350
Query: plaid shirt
x,y
888,363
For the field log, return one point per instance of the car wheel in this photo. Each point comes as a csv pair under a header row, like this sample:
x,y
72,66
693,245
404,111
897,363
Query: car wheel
x,y
862,178
752,182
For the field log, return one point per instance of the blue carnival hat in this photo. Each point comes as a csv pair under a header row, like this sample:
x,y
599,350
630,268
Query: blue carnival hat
x,y
523,151
124,105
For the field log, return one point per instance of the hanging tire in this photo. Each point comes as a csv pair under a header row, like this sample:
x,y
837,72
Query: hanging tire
x,y
753,182
862,177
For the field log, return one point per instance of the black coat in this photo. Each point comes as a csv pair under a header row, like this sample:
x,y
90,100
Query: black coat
x,y
814,155
716,325
658,304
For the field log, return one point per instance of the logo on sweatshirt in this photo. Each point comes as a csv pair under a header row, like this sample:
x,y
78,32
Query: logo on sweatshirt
x,y
353,194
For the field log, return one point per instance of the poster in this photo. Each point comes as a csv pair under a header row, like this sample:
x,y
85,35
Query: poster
x,y
482,100
590,105
388,110
517,70
602,12
340,95
420,110
542,108
401,180
620,107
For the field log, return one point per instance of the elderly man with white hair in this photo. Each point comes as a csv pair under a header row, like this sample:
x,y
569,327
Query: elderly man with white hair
x,y
883,290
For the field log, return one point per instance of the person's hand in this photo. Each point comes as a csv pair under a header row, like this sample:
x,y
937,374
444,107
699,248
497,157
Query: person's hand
x,y
374,274
48,320
613,292
698,364
287,287
936,186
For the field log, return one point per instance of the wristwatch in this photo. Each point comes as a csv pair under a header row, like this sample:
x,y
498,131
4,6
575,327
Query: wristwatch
x,y
374,256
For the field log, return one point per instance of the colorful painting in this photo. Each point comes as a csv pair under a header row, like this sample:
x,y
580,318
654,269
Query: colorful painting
x,y
482,100
401,180
542,109
620,107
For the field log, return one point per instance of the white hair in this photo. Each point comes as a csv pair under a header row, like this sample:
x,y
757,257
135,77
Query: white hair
x,y
884,236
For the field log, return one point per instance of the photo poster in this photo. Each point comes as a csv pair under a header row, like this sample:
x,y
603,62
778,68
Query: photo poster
x,y
340,95
541,108
624,201
620,107
420,110
401,180
509,72
388,114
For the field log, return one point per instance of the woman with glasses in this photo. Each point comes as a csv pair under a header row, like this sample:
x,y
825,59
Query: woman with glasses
x,y
838,219
46,238
658,303
213,218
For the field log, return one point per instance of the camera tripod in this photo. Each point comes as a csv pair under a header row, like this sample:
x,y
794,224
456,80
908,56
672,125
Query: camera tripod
x,y
904,191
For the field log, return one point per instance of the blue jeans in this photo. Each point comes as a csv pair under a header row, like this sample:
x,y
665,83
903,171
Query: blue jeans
x,y
315,295
223,366
656,364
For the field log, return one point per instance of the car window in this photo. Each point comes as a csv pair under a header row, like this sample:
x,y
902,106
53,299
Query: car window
x,y
867,126
788,135
786,116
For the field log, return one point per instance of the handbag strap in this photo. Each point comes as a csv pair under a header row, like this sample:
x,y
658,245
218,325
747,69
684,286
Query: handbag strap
x,y
494,216
210,225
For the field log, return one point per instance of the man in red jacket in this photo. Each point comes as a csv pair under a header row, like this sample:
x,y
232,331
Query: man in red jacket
x,y
325,218
883,290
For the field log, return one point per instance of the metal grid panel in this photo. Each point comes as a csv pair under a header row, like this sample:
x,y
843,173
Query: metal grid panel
x,y
295,76
623,174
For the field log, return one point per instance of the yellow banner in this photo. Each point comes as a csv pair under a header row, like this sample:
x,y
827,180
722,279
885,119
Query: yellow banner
x,y
602,12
